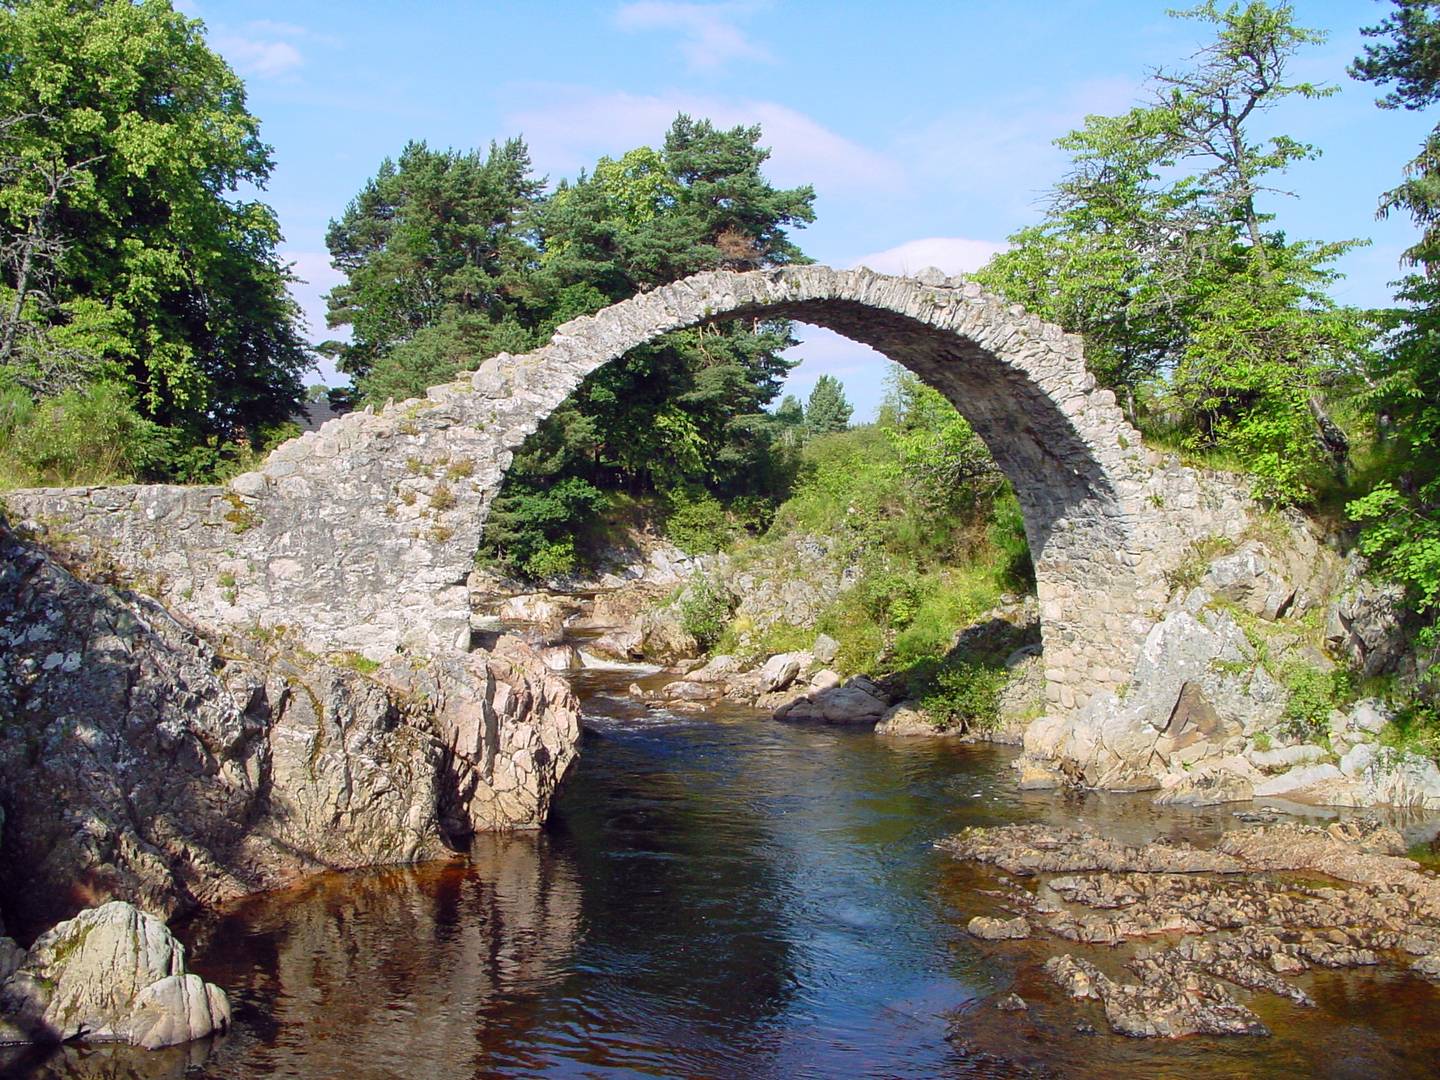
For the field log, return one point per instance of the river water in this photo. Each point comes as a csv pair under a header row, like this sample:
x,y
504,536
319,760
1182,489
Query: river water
x,y
720,895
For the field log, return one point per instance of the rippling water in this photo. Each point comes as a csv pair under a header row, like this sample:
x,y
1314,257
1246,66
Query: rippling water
x,y
717,896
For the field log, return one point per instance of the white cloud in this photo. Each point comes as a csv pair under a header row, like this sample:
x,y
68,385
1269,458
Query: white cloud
x,y
572,129
709,38
825,352
257,56
267,48
952,254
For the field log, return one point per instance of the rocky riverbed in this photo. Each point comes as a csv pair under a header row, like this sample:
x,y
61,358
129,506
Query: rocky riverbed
x,y
1171,939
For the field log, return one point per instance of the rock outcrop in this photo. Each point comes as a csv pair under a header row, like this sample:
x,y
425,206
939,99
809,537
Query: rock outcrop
x,y
1211,713
111,974
141,759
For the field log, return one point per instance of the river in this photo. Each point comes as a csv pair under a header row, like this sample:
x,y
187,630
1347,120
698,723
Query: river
x,y
719,895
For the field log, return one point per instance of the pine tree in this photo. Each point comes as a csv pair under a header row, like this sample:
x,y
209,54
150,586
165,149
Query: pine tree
x,y
827,411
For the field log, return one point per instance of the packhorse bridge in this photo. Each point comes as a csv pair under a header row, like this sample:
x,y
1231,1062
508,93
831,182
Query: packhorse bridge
x,y
359,537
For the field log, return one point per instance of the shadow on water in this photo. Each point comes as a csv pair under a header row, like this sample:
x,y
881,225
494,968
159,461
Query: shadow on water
x,y
722,896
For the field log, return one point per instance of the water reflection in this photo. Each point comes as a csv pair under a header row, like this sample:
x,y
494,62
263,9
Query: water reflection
x,y
394,971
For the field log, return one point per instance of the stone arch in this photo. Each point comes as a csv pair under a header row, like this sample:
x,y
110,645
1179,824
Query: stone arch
x,y
360,537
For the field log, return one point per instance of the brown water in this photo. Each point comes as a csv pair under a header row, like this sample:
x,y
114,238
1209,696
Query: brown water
x,y
720,896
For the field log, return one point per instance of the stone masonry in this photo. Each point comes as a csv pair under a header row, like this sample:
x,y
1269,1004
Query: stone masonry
x,y
359,537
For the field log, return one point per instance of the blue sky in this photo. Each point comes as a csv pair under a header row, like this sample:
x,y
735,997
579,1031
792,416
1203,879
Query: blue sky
x,y
925,127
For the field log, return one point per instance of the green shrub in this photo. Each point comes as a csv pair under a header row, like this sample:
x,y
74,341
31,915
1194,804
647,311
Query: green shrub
x,y
533,526
705,612
357,663
890,597
697,523
1416,726
551,560
87,436
965,693
1314,694
754,648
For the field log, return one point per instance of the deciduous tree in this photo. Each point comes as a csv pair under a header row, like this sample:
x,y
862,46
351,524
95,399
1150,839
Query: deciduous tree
x,y
129,252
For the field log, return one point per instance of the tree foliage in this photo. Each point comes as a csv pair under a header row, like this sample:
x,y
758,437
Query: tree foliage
x,y
129,255
827,411
1213,326
435,255
1400,515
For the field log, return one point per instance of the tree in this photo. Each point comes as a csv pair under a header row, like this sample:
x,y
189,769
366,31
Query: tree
x,y
129,255
1400,515
827,411
435,252
1412,62
687,408
682,416
1215,328
945,468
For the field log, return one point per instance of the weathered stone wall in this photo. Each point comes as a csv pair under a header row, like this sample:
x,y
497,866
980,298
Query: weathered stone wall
x,y
359,537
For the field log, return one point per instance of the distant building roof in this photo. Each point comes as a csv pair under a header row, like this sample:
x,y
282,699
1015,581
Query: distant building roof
x,y
314,413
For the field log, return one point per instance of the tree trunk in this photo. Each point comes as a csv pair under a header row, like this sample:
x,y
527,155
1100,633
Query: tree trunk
x,y
22,284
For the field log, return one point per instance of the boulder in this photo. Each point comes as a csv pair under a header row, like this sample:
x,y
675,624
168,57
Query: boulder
x,y
689,690
824,679
780,671
663,637
853,704
621,646
536,608
1368,716
1286,757
825,649
558,657
718,669
1381,776
988,929
906,720
1298,780
1211,786
1246,577
111,974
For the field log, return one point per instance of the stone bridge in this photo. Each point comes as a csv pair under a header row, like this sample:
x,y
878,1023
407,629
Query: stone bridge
x,y
359,537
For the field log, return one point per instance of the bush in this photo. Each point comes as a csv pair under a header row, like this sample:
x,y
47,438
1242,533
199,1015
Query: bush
x,y
965,693
1416,727
697,524
88,436
531,527
555,559
705,612
1314,694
